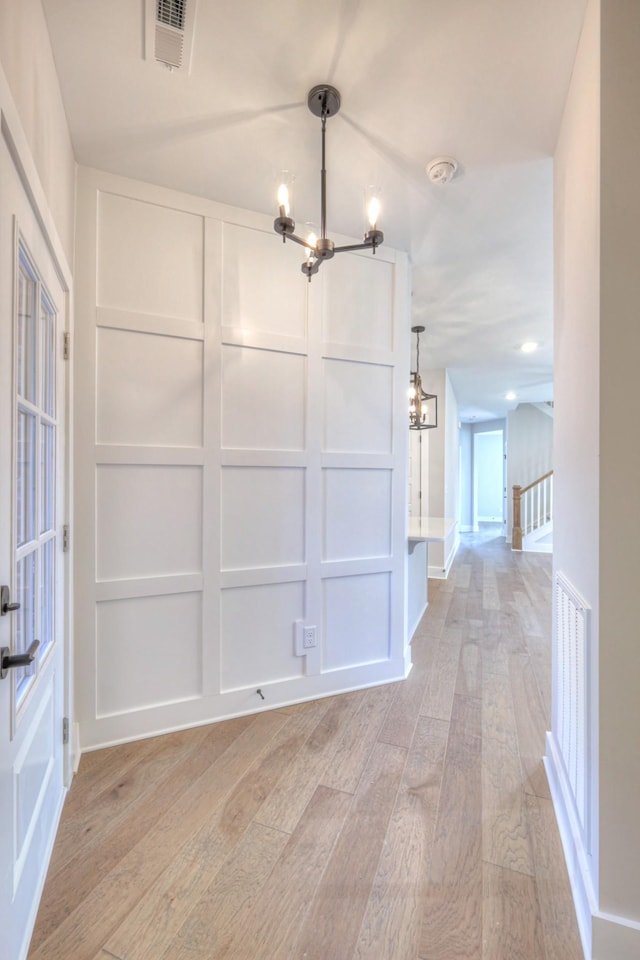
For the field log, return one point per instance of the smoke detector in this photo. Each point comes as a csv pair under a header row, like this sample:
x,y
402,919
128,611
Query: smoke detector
x,y
442,169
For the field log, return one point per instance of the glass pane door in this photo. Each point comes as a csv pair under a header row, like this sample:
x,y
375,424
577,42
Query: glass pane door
x,y
35,472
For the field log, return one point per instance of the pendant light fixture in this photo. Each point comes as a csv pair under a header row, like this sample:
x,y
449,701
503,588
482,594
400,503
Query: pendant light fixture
x,y
323,102
423,407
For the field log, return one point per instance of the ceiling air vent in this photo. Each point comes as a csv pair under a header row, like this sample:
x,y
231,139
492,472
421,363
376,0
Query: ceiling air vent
x,y
169,32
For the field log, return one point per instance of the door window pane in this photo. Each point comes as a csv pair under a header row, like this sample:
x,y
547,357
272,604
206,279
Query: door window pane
x,y
25,617
47,476
25,477
26,339
47,560
48,336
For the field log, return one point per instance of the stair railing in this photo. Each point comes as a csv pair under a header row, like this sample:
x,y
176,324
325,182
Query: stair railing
x,y
532,507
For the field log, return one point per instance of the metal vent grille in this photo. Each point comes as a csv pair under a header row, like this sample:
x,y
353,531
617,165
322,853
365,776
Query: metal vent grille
x,y
172,13
169,46
573,643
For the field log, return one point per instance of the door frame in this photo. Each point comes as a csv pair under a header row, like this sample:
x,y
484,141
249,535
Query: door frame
x,y
20,154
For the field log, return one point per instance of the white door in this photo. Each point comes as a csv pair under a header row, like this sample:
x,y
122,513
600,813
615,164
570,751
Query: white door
x,y
32,566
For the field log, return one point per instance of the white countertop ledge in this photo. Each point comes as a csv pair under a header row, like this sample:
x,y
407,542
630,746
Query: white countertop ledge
x,y
431,529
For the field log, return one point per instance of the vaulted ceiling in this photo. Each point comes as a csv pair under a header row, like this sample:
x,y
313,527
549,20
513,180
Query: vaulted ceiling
x,y
483,81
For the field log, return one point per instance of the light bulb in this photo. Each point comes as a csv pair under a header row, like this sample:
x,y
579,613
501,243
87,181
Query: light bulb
x,y
283,200
412,393
373,211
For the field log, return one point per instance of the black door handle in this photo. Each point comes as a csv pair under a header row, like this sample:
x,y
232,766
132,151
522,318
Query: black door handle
x,y
8,662
5,601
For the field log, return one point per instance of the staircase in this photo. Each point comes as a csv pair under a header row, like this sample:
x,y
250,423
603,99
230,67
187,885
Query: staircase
x,y
533,515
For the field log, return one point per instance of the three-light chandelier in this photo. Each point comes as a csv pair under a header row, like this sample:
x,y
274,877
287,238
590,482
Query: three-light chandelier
x,y
423,406
324,102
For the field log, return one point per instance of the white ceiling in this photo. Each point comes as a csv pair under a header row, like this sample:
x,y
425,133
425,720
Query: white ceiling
x,y
481,80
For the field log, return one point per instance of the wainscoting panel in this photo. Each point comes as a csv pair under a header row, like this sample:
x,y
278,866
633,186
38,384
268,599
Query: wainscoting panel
x,y
242,467
148,651
357,513
150,258
148,520
358,407
149,389
254,414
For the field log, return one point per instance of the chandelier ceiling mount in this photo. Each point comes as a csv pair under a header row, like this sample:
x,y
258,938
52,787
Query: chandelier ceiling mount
x,y
323,101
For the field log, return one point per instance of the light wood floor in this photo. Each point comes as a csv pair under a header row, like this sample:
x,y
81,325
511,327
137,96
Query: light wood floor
x,y
407,821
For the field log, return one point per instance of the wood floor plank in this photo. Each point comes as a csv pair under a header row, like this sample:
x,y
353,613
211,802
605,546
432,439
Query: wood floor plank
x,y
128,788
469,677
227,903
559,924
530,724
161,911
272,925
441,681
402,716
505,835
490,592
287,802
358,739
66,890
452,913
391,926
467,714
498,717
332,924
512,929
89,926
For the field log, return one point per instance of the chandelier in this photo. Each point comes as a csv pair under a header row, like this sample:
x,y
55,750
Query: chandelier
x,y
324,102
423,407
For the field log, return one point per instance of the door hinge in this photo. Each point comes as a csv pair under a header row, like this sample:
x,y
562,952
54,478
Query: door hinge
x,y
66,346
65,538
65,730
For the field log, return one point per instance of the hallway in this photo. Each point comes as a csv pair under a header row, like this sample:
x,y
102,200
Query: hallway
x,y
406,821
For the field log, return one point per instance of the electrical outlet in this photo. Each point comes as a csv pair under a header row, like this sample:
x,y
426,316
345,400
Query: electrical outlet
x,y
308,637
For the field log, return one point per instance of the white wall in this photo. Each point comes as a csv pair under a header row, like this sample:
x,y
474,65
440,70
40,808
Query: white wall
x,y
619,527
597,464
444,466
489,471
241,463
530,451
27,62
466,477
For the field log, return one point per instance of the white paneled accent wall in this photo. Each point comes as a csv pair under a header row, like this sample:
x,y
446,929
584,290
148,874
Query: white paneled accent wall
x,y
241,464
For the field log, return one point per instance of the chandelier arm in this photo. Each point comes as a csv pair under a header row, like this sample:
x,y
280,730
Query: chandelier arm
x,y
300,240
366,245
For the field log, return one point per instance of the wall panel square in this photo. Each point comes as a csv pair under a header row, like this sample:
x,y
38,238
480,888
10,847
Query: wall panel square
x,y
358,407
356,514
358,302
150,258
356,620
148,651
263,399
255,262
149,520
258,634
149,389
262,514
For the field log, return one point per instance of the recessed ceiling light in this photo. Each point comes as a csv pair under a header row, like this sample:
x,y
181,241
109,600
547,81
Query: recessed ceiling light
x,y
529,347
510,396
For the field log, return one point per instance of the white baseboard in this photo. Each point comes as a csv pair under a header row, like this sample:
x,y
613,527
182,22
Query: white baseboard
x,y
615,938
466,528
575,854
